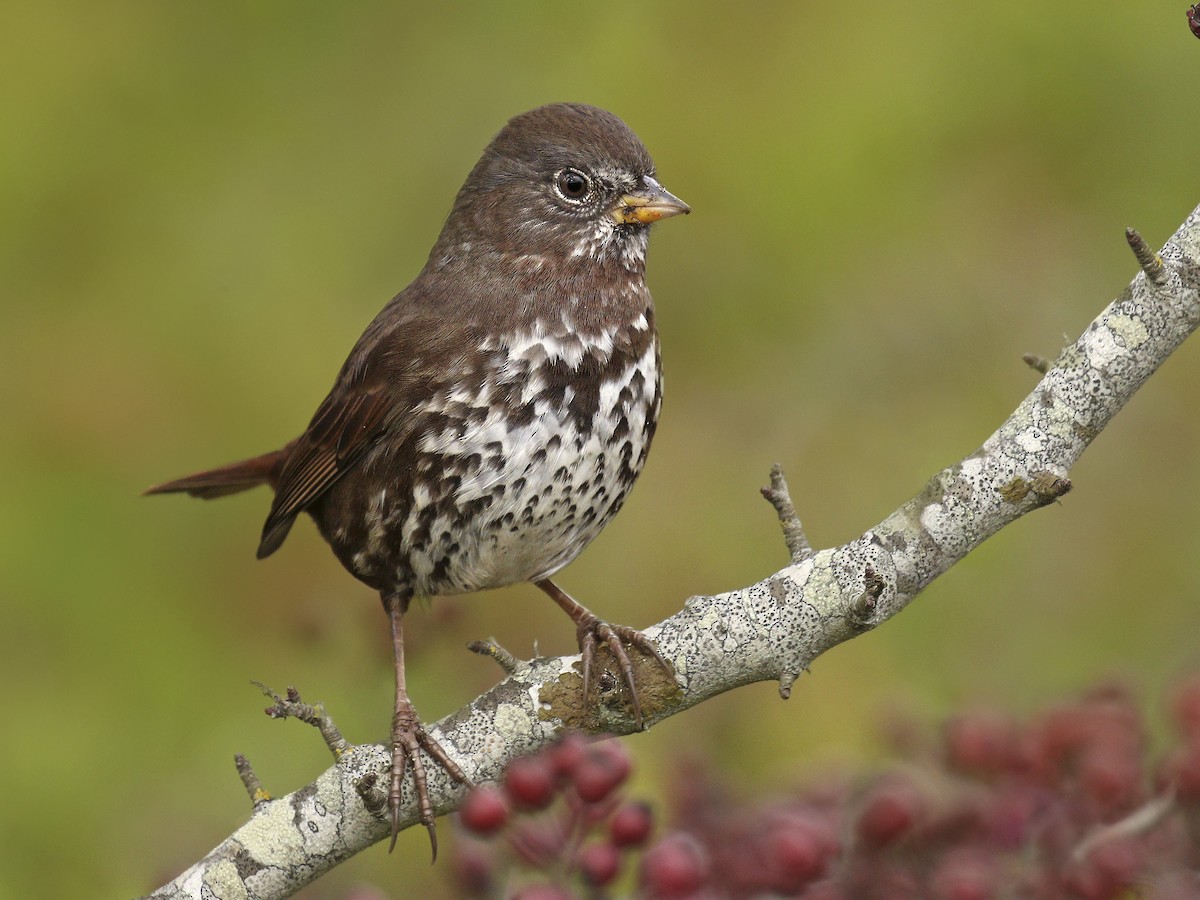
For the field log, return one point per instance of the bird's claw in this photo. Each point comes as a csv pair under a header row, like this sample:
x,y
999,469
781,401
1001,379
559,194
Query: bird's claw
x,y
409,737
590,630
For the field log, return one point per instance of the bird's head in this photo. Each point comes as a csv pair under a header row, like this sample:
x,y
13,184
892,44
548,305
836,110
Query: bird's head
x,y
564,181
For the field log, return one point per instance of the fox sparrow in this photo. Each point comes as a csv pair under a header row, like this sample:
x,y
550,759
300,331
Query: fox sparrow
x,y
492,418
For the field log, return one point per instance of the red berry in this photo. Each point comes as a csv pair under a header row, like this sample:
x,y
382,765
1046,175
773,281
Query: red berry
x,y
888,813
484,810
1008,815
1105,721
594,782
567,754
599,863
529,782
1112,779
797,846
615,755
1061,733
980,743
676,866
601,772
631,825
799,854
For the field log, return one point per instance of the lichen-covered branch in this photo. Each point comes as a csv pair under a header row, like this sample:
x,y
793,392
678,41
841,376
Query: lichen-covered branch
x,y
769,630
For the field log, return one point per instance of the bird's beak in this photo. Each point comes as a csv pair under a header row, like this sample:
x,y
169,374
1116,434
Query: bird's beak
x,y
648,203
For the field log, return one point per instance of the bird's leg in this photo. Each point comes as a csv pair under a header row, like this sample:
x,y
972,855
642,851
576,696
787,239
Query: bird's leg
x,y
409,736
589,629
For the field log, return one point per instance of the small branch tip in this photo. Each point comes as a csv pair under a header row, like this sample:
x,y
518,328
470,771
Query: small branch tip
x,y
311,714
258,796
786,680
505,660
793,532
1151,262
1037,363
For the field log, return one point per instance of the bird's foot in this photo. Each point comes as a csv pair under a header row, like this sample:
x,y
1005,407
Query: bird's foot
x,y
591,630
409,738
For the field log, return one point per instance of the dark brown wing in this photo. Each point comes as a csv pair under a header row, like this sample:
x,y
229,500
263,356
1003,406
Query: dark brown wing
x,y
345,426
388,375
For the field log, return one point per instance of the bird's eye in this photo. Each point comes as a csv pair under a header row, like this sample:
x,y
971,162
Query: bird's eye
x,y
572,184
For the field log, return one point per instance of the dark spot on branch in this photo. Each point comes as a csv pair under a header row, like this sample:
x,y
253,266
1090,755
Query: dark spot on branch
x,y
1049,487
863,609
779,591
374,798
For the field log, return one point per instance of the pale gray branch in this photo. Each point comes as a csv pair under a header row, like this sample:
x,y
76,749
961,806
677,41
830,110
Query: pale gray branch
x,y
770,630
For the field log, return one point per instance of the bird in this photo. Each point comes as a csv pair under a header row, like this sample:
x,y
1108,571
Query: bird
x,y
492,418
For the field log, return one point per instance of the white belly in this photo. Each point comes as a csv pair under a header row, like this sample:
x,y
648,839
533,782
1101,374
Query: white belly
x,y
529,497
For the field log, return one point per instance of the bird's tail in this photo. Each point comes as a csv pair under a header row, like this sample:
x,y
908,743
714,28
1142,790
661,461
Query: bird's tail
x,y
230,479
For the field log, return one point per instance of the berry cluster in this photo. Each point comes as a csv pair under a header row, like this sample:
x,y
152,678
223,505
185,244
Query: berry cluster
x,y
556,819
1067,805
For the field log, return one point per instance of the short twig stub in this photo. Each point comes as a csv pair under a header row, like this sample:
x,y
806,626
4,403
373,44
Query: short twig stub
x,y
1151,262
793,532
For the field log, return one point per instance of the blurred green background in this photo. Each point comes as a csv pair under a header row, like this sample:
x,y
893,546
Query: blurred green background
x,y
202,205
